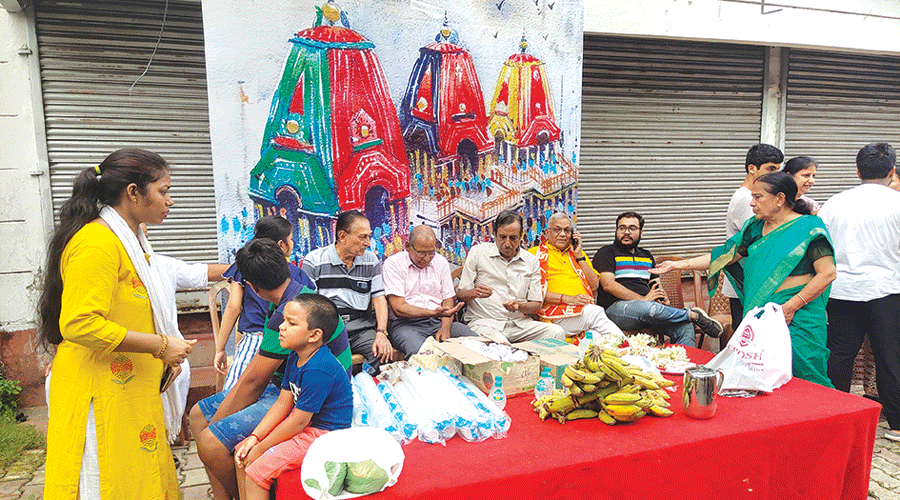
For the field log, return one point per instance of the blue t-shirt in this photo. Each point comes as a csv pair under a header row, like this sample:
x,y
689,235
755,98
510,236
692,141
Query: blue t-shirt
x,y
254,308
322,388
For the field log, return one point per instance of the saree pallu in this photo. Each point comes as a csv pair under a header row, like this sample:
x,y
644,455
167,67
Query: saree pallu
x,y
756,278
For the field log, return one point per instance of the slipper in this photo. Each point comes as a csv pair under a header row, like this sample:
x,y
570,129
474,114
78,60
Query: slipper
x,y
892,434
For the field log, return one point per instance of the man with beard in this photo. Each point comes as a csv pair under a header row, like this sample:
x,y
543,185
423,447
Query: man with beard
x,y
632,300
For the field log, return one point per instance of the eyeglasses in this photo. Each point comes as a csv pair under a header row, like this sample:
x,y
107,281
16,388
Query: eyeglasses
x,y
429,253
557,230
628,229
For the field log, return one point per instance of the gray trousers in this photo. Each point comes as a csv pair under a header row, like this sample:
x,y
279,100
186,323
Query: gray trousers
x,y
408,334
361,334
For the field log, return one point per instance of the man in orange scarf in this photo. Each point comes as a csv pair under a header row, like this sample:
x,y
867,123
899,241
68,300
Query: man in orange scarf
x,y
569,281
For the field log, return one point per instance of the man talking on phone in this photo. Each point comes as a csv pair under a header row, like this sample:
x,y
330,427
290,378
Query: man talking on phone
x,y
633,298
569,281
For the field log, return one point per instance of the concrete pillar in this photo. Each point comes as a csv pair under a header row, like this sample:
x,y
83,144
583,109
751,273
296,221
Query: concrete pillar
x,y
774,105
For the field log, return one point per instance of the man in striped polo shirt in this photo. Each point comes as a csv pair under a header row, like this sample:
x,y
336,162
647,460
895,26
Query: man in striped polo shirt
x,y
632,301
349,274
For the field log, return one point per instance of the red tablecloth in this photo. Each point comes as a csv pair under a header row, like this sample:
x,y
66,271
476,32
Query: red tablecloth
x,y
801,442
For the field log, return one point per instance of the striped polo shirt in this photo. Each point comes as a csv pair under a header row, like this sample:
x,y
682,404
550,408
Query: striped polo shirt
x,y
352,288
632,270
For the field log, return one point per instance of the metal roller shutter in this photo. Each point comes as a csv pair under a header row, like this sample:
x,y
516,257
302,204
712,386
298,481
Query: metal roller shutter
x,y
836,104
90,54
664,132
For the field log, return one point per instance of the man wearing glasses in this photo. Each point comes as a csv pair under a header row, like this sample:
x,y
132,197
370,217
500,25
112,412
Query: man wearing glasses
x,y
420,291
569,281
631,300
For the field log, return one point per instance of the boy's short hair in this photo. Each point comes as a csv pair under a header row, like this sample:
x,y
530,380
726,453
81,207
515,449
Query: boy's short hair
x,y
262,263
321,313
875,160
762,153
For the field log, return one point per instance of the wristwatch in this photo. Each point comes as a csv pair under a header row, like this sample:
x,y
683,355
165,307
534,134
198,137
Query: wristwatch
x,y
579,259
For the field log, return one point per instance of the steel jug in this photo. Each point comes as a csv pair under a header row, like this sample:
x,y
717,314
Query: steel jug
x,y
699,391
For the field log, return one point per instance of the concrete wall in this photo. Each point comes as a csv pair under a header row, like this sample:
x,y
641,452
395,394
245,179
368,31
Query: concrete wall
x,y
24,198
857,26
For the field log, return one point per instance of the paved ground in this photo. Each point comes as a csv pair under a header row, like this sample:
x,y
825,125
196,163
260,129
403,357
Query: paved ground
x,y
24,480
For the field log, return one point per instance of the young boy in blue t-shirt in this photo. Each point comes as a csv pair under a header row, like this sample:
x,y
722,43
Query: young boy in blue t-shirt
x,y
315,398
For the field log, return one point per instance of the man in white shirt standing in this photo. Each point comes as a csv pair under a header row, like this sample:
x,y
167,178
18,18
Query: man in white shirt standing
x,y
864,223
761,159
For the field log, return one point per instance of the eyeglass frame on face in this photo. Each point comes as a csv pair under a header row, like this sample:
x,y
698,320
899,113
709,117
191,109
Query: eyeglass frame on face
x,y
628,229
557,230
421,254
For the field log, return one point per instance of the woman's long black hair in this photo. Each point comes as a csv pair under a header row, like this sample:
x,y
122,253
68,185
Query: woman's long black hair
x,y
90,192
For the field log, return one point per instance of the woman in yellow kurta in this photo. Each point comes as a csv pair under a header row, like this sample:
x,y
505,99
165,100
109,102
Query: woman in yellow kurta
x,y
110,357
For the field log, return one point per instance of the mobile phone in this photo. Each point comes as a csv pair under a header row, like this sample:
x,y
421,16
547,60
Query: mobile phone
x,y
167,378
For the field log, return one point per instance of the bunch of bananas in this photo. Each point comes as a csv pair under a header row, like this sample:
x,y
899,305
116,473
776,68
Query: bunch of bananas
x,y
604,386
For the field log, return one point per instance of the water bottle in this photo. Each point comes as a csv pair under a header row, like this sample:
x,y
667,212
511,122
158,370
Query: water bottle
x,y
545,384
497,395
366,367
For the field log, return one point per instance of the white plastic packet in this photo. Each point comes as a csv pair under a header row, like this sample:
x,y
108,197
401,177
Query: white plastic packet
x,y
379,412
356,444
758,356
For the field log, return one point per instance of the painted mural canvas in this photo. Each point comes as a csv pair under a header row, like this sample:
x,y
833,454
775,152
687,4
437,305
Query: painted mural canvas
x,y
414,112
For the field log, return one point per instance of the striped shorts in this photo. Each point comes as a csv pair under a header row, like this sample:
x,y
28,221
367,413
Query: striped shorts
x,y
243,353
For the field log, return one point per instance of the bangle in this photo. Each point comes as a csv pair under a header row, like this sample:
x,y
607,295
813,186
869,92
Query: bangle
x,y
580,259
561,301
381,330
165,343
257,437
801,298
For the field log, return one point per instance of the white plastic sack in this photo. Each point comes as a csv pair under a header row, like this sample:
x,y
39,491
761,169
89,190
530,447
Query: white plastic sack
x,y
355,444
758,356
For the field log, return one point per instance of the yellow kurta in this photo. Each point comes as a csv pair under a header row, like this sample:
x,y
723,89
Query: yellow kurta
x,y
103,298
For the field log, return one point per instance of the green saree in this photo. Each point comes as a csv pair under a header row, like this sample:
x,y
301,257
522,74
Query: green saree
x,y
768,261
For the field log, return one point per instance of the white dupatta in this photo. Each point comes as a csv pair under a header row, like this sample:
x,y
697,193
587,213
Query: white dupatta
x,y
162,301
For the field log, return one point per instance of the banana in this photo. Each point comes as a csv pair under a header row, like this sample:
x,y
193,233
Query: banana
x,y
621,398
575,390
588,388
543,413
606,418
660,411
663,393
580,413
644,403
561,417
565,380
591,359
663,382
622,411
645,382
561,405
617,367
631,388
592,378
610,373
575,374
633,417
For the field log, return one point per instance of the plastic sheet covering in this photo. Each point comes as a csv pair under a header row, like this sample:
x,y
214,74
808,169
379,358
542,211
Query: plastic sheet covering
x,y
403,422
379,412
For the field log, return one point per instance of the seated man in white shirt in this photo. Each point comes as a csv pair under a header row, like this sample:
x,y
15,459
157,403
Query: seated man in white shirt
x,y
419,290
501,283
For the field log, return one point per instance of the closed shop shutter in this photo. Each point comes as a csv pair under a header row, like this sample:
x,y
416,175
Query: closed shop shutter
x,y
91,53
836,104
665,129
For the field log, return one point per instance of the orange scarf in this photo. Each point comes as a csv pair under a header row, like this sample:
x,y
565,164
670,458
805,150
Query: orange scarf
x,y
557,311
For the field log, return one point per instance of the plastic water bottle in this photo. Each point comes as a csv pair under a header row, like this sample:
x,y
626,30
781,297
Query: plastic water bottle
x,y
497,395
366,367
545,384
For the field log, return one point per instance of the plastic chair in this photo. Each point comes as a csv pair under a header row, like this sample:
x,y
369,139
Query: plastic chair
x,y
214,308
719,309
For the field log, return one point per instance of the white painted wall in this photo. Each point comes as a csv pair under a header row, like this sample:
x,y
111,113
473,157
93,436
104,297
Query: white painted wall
x,y
849,26
22,217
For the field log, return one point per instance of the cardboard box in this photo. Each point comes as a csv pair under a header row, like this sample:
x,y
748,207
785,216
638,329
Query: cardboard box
x,y
518,377
556,354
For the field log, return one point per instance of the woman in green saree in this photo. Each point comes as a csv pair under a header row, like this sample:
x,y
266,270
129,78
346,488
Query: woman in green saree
x,y
779,256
